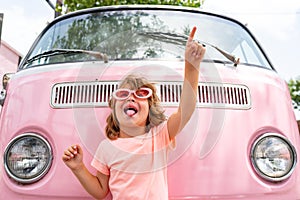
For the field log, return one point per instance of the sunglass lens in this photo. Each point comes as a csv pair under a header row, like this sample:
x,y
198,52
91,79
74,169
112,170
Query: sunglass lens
x,y
122,94
142,93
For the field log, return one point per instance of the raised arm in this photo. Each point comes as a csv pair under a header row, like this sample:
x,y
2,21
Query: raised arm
x,y
194,53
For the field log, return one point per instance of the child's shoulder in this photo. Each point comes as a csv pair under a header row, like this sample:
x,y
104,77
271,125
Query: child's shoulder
x,y
105,142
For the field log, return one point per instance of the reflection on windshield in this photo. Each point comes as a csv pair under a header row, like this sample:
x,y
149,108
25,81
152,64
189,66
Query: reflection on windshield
x,y
118,35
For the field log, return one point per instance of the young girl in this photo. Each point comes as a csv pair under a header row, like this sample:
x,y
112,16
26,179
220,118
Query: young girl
x,y
132,162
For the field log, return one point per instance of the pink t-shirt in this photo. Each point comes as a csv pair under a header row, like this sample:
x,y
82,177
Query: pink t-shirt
x,y
137,166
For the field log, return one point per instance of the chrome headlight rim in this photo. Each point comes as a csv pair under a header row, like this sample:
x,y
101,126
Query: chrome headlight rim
x,y
256,167
45,169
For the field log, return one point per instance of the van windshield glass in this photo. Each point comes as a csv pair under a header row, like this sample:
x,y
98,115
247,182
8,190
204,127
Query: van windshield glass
x,y
128,35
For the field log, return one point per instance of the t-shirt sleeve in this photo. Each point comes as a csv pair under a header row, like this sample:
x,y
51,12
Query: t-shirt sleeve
x,y
98,161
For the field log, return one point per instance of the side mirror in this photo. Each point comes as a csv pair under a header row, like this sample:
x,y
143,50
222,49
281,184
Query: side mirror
x,y
5,80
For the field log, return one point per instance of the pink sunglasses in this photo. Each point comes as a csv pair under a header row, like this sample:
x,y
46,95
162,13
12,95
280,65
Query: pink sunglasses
x,y
123,93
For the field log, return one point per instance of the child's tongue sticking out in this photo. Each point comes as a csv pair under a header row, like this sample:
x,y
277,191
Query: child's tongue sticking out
x,y
130,112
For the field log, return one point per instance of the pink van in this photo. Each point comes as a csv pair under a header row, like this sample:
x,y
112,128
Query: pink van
x,y
241,143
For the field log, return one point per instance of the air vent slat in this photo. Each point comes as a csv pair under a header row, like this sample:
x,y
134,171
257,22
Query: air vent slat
x,y
97,94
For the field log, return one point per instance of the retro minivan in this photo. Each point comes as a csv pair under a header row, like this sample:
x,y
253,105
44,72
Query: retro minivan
x,y
242,141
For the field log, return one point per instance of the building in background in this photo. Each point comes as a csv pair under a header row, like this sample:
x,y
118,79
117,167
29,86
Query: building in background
x,y
1,22
9,59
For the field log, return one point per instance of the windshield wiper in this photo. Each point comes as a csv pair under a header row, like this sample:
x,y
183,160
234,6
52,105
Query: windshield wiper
x,y
180,39
55,52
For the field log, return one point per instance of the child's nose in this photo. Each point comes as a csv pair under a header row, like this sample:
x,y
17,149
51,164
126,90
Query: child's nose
x,y
131,97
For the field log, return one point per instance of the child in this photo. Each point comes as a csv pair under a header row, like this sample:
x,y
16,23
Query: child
x,y
131,163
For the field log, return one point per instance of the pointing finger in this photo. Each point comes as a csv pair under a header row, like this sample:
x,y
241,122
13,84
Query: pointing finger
x,y
192,33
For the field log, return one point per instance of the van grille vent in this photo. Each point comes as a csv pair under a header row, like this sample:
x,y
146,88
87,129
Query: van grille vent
x,y
97,94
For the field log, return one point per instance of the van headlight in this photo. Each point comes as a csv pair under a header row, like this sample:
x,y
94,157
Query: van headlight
x,y
273,157
27,158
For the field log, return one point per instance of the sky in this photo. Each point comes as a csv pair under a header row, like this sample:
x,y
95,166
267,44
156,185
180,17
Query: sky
x,y
275,24
23,21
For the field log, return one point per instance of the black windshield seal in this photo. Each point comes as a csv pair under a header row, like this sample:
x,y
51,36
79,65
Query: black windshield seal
x,y
55,52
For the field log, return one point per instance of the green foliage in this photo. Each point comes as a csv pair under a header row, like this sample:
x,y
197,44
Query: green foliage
x,y
118,38
294,86
73,5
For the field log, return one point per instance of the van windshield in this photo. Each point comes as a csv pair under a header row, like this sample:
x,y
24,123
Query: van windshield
x,y
139,35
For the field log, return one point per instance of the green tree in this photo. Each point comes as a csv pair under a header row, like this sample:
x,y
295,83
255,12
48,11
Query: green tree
x,y
73,5
83,33
294,86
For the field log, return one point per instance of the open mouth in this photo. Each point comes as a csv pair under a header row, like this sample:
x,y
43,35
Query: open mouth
x,y
130,110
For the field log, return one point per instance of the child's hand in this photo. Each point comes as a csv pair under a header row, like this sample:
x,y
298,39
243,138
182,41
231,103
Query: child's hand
x,y
73,157
194,52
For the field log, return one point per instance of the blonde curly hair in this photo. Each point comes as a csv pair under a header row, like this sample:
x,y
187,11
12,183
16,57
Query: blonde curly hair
x,y
156,113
